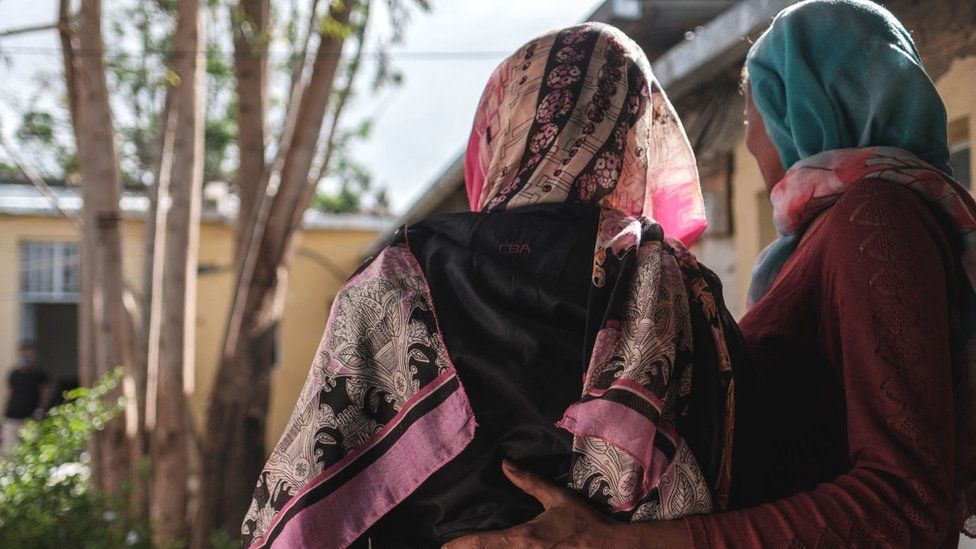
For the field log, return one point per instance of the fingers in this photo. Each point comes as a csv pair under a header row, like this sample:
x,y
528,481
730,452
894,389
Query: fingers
x,y
546,492
522,536
485,540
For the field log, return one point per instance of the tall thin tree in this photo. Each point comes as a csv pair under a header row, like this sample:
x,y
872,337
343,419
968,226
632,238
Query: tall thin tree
x,y
104,330
173,303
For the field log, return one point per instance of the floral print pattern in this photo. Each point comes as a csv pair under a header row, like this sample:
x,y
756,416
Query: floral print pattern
x,y
576,115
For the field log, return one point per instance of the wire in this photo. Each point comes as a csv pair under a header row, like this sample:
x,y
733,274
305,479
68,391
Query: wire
x,y
28,29
38,182
404,55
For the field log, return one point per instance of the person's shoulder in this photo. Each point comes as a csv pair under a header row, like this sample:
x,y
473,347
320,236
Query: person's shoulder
x,y
876,207
875,202
881,220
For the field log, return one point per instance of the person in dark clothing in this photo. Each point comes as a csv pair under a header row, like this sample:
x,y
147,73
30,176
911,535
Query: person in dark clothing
x,y
29,391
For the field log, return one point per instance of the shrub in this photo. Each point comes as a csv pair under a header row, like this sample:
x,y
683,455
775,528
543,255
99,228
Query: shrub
x,y
47,499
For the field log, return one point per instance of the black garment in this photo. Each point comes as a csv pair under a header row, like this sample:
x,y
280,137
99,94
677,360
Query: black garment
x,y
513,294
510,290
25,391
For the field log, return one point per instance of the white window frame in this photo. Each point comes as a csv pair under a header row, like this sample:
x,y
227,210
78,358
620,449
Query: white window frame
x,y
49,271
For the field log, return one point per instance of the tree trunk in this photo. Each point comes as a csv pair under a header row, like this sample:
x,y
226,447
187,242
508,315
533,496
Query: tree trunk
x,y
173,311
251,22
239,402
234,458
104,342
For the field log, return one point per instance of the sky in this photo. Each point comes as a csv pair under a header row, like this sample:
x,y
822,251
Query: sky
x,y
418,127
424,124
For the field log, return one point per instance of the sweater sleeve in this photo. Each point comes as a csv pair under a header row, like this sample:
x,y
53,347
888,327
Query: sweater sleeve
x,y
884,326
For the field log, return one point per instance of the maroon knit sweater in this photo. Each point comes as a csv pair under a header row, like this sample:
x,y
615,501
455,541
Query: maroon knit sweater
x,y
853,446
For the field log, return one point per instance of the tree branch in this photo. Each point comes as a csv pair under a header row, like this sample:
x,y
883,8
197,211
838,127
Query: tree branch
x,y
28,29
38,182
341,100
274,219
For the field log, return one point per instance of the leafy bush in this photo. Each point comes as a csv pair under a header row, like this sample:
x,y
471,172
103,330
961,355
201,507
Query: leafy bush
x,y
47,499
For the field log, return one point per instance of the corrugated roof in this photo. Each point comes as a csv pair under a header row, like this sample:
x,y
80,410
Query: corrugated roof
x,y
26,200
663,23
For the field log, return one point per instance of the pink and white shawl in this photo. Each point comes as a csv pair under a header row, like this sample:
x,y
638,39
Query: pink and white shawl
x,y
382,410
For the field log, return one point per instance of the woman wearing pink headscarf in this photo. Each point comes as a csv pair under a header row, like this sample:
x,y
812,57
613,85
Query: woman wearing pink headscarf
x,y
561,325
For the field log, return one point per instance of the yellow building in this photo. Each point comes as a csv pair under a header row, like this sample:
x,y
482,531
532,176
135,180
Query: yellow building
x,y
39,279
697,50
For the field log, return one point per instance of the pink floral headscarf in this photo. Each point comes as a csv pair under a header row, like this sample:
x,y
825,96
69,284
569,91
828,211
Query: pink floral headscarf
x,y
583,119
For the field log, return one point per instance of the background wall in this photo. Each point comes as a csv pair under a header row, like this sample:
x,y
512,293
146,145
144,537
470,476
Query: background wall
x,y
319,267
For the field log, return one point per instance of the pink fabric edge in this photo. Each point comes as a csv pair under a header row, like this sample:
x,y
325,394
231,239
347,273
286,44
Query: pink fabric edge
x,y
640,390
352,456
679,212
345,515
692,234
474,177
633,387
621,427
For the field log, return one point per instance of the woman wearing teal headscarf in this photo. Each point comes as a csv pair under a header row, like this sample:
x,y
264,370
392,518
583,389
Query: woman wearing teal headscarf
x,y
833,75
874,271
861,320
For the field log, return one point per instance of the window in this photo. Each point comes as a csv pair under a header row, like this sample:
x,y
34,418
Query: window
x,y
48,306
960,152
49,272
715,185
959,159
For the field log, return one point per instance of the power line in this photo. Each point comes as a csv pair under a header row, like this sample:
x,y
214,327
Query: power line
x,y
28,29
429,55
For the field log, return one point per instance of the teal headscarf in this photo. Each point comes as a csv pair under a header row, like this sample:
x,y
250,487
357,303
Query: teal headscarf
x,y
833,74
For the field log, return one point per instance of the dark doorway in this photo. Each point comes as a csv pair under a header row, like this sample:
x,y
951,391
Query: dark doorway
x,y
56,334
